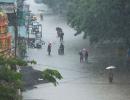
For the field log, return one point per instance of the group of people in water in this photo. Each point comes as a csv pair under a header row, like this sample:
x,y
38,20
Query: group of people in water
x,y
60,50
60,35
83,53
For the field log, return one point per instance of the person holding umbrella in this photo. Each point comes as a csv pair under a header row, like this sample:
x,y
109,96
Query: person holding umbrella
x,y
110,73
110,76
59,31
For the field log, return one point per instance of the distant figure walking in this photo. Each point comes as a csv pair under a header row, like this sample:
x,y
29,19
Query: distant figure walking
x,y
41,16
81,56
110,73
128,54
110,77
61,49
61,36
86,56
59,31
49,49
128,57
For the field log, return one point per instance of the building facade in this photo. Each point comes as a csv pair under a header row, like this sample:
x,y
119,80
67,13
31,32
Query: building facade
x,y
5,36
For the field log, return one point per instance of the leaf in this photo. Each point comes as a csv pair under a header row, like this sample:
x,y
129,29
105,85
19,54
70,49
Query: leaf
x,y
51,76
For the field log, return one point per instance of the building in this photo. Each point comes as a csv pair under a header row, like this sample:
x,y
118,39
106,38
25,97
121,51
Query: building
x,y
5,36
9,7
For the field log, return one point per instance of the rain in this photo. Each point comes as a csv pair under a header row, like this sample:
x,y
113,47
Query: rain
x,y
80,81
103,75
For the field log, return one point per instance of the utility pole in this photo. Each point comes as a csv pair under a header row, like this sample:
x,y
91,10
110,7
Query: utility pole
x,y
28,27
15,31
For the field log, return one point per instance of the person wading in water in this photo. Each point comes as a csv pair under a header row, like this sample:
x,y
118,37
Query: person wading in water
x,y
49,49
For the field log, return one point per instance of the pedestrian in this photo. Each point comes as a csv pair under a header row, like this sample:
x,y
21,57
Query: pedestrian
x,y
61,36
128,54
59,31
61,49
41,16
81,56
128,57
86,55
49,49
110,77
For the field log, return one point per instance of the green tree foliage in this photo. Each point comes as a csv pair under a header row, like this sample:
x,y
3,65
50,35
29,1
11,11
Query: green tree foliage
x,y
51,75
12,62
98,19
10,81
32,62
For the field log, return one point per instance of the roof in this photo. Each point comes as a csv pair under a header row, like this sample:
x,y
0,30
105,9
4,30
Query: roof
x,y
7,1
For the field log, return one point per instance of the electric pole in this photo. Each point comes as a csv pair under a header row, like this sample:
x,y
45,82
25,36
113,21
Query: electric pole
x,y
15,31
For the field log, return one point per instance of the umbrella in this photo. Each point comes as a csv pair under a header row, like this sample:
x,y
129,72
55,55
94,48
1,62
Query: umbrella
x,y
110,67
59,28
84,49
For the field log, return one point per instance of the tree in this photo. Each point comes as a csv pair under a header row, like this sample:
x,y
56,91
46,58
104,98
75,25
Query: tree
x,y
51,75
99,19
10,80
12,62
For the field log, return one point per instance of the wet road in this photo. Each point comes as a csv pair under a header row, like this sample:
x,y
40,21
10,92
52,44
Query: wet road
x,y
81,81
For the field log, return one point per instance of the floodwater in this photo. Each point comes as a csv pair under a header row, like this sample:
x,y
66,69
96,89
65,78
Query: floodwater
x,y
81,80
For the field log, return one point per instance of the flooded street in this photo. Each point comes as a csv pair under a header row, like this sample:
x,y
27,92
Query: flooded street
x,y
80,81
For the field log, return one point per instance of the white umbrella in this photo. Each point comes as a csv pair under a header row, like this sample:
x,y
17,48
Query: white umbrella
x,y
84,49
110,67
